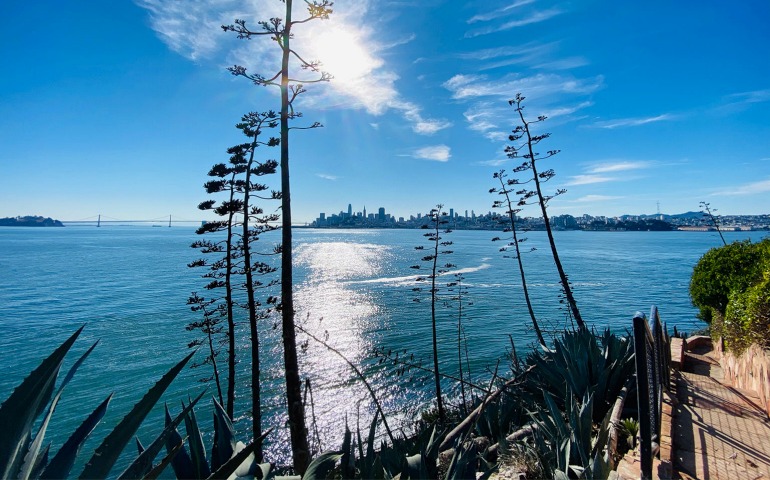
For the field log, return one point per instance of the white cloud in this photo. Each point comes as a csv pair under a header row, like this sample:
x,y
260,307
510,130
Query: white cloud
x,y
763,186
633,122
755,96
346,45
326,176
588,179
563,64
493,163
438,153
500,12
547,94
535,17
541,85
618,166
595,198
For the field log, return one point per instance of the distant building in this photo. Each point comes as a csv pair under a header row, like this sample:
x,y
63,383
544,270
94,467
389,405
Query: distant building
x,y
381,214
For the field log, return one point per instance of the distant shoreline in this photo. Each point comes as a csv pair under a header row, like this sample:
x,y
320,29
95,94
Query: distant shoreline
x,y
30,221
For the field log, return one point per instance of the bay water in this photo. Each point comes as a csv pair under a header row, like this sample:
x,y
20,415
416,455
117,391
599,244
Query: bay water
x,y
354,288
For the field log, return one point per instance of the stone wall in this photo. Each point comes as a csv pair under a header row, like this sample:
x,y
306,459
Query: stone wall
x,y
750,371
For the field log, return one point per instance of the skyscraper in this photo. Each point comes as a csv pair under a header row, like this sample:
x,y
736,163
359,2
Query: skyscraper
x,y
350,210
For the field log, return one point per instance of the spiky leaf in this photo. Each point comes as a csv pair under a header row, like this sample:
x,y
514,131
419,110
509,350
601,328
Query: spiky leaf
x,y
107,453
28,400
62,462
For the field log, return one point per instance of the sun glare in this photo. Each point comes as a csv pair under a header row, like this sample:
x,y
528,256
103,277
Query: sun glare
x,y
343,55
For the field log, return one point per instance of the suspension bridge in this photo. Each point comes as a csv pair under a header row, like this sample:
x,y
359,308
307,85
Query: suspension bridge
x,y
98,220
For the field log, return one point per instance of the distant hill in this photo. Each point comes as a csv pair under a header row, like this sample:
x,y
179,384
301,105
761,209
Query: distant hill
x,y
30,222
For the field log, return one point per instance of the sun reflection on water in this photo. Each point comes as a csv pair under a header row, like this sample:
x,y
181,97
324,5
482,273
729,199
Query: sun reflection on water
x,y
346,317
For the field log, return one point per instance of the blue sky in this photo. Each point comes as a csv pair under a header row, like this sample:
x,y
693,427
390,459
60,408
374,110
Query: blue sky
x,y
120,108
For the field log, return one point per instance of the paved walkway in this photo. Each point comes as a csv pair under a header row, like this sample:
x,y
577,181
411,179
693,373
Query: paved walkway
x,y
718,432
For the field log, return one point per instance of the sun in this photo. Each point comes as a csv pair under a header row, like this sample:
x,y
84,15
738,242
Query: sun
x,y
343,55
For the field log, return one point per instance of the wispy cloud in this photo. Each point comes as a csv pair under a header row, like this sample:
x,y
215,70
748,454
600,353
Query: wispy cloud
x,y
492,163
540,85
436,153
738,102
346,45
551,95
500,12
420,125
620,166
762,186
326,176
633,122
588,179
755,96
595,198
535,17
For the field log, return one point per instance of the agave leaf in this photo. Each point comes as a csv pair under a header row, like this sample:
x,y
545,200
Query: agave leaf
x,y
415,468
348,460
40,462
62,462
224,437
107,453
139,446
555,415
197,449
362,459
181,463
370,453
19,411
559,475
169,458
379,472
238,459
29,460
143,463
263,471
321,466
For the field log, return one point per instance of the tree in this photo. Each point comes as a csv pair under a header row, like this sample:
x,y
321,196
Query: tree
x,y
511,212
220,271
435,223
527,142
280,31
243,223
461,291
708,214
211,328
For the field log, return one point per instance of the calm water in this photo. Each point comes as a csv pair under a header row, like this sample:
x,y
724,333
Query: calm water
x,y
129,285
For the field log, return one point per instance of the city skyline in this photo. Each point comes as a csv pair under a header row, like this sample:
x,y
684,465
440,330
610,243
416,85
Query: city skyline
x,y
648,103
325,219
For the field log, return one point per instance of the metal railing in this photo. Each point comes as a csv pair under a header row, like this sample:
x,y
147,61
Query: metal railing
x,y
653,358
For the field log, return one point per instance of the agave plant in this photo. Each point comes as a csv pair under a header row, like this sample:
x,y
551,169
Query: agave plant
x,y
23,456
565,440
586,363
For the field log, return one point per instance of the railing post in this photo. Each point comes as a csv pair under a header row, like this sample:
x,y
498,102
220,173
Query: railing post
x,y
643,383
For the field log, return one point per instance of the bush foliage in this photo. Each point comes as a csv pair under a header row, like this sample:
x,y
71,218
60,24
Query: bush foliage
x,y
731,287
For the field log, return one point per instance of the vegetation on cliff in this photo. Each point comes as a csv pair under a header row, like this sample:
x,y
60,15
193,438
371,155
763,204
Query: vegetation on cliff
x,y
30,221
731,287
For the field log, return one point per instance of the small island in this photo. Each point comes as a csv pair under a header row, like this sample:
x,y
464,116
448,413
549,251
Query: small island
x,y
30,221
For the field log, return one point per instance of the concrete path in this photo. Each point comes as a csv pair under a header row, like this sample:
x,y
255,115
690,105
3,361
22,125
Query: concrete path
x,y
718,432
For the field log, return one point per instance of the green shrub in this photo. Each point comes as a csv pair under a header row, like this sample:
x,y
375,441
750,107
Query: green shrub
x,y
747,320
731,286
732,268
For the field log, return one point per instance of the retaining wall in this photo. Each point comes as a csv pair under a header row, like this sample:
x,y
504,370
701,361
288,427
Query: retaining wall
x,y
750,371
